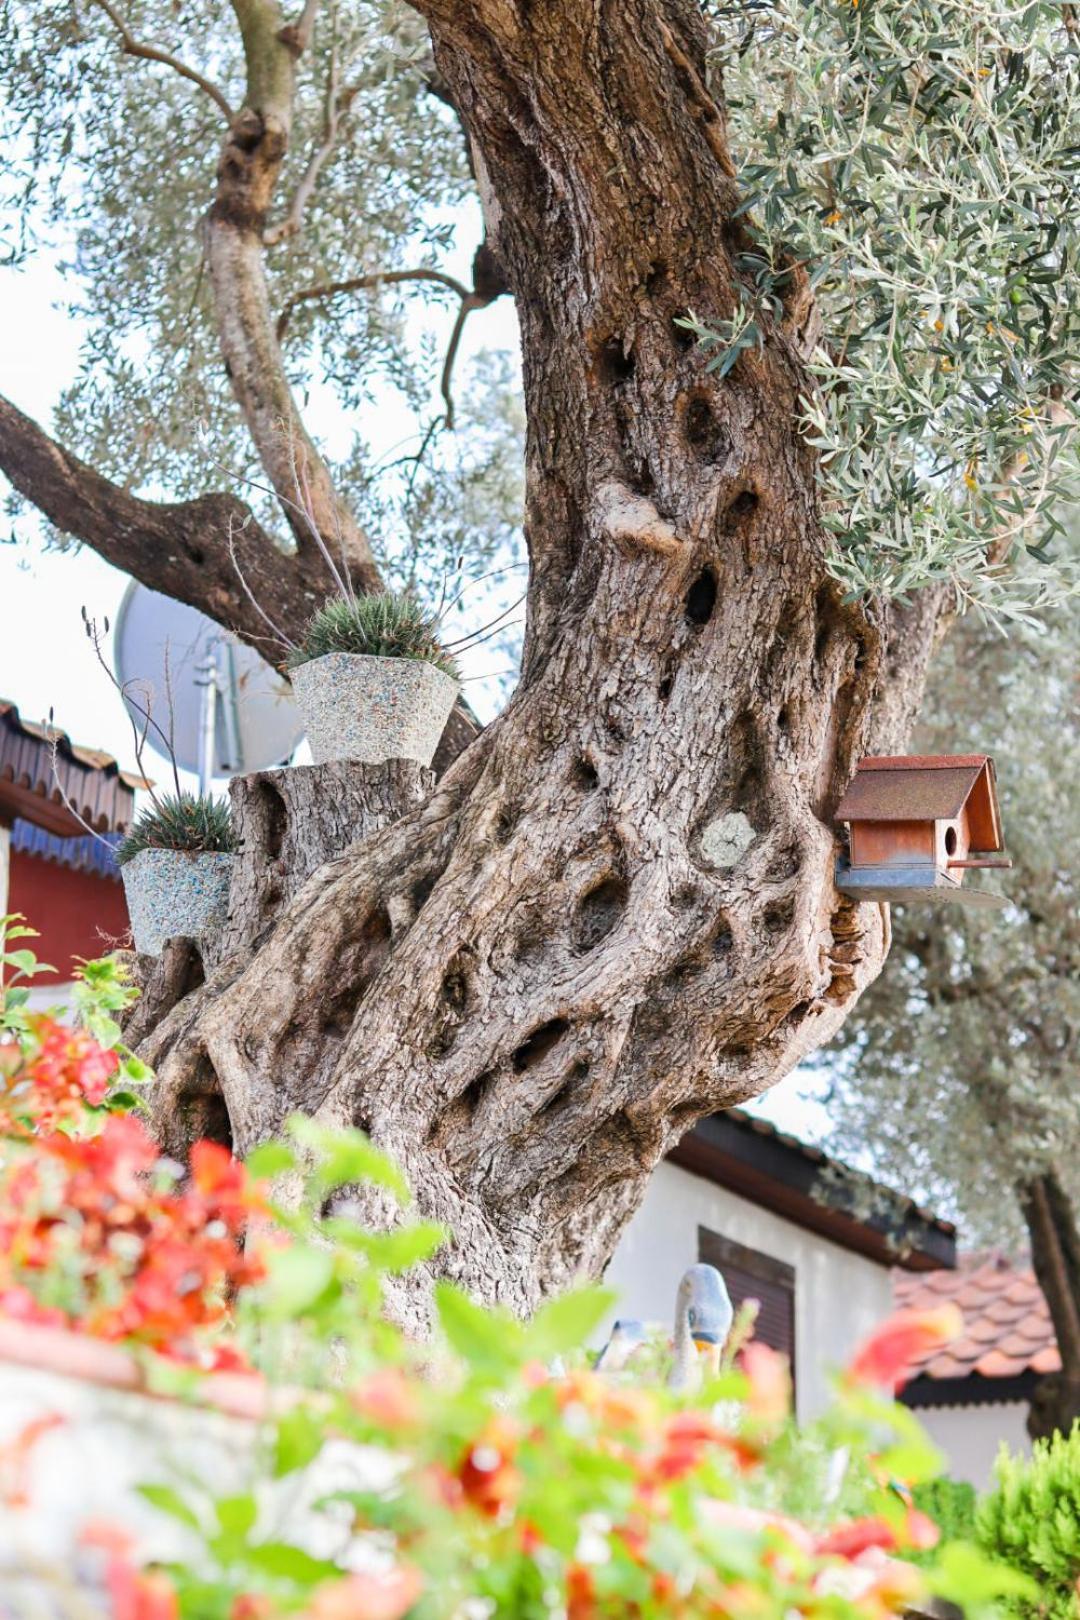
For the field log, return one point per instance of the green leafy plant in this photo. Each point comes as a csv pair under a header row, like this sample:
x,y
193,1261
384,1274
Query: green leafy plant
x,y
381,625
1031,1522
951,1504
184,821
919,164
490,1471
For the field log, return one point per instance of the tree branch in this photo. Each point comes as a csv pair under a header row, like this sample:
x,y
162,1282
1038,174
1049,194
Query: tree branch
x,y
468,304
181,548
197,551
297,36
248,172
152,53
331,289
338,102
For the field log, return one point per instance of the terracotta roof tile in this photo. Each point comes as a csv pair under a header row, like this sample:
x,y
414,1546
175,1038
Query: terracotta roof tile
x,y
1007,1327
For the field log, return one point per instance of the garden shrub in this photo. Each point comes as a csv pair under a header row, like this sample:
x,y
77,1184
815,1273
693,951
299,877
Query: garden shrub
x,y
951,1504
1031,1522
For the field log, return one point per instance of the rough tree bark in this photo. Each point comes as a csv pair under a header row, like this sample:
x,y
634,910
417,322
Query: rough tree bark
x,y
1055,1252
616,911
248,172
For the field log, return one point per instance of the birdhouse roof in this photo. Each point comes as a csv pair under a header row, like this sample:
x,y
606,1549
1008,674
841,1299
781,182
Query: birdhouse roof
x,y
926,787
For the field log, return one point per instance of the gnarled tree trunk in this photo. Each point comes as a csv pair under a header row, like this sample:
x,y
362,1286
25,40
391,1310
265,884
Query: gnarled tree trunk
x,y
616,912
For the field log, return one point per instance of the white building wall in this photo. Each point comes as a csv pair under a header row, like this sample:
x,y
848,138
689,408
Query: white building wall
x,y
839,1296
971,1436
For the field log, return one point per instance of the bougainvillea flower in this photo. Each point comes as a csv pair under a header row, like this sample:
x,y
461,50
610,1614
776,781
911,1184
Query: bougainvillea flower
x,y
905,1338
580,1592
140,1259
855,1537
383,1596
734,1516
134,1594
251,1606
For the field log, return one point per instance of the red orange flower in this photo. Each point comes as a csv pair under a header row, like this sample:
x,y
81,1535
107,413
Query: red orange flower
x,y
487,1474
52,1074
387,1398
141,1259
890,1352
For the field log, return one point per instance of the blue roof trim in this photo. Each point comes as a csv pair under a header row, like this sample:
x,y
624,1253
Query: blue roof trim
x,y
95,855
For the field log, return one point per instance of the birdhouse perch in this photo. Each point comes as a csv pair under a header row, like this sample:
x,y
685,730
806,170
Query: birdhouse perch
x,y
916,824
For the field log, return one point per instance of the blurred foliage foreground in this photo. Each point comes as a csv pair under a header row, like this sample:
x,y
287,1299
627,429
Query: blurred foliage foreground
x,y
504,1477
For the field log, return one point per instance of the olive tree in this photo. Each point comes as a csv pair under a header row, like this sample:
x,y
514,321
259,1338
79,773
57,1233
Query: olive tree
x,y
796,325
959,1068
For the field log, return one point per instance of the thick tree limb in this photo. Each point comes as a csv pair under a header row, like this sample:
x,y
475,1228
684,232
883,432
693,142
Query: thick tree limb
x,y
180,547
184,548
297,35
153,53
1055,1253
248,172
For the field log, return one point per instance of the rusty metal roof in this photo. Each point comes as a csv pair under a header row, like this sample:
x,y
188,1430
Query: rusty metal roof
x,y
100,791
925,787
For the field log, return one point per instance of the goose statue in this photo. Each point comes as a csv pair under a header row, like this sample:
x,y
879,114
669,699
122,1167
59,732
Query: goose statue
x,y
703,1319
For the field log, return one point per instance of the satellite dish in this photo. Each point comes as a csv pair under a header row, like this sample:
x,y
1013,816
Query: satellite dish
x,y
230,711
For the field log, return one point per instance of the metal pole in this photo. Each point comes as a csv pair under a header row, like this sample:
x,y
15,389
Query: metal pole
x,y
206,676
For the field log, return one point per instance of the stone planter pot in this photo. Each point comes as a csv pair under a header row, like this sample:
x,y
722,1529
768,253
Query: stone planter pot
x,y
170,892
372,709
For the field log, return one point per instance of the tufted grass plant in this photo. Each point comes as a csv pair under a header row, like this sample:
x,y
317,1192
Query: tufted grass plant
x,y
186,821
380,625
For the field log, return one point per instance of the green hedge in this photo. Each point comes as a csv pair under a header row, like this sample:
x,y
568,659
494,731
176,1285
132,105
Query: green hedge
x,y
1031,1521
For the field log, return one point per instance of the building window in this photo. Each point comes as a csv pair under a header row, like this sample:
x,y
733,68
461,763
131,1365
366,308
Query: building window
x,y
749,1274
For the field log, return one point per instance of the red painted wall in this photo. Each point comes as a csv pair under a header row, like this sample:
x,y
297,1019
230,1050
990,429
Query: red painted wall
x,y
75,913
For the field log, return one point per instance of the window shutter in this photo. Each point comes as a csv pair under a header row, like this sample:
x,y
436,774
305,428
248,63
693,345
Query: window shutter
x,y
749,1274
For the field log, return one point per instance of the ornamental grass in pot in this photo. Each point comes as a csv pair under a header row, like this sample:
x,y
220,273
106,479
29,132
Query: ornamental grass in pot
x,y
176,863
372,680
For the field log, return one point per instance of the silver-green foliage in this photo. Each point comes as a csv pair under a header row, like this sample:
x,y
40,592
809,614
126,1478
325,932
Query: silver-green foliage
x,y
922,162
957,1069
110,161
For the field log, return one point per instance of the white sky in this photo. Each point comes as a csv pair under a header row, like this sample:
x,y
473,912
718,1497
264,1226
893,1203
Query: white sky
x,y
45,659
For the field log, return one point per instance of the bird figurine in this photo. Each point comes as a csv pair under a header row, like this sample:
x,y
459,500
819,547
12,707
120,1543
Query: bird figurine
x,y
628,1334
703,1318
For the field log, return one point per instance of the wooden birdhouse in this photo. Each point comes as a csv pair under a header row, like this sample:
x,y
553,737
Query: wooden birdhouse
x,y
916,824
